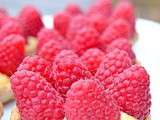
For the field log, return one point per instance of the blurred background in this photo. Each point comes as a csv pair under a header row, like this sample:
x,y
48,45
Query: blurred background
x,y
148,9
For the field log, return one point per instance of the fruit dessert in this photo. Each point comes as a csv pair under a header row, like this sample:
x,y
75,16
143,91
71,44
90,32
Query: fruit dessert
x,y
83,68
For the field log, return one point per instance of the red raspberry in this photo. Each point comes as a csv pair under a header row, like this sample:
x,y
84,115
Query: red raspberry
x,y
11,53
125,10
36,98
77,22
99,22
118,29
132,93
31,21
87,100
46,35
67,68
101,7
73,9
3,11
38,65
114,63
92,59
85,38
50,50
61,22
11,27
122,44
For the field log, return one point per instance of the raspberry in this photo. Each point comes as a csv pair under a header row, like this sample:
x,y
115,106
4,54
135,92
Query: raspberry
x,y
11,27
50,50
87,100
61,22
132,93
122,44
125,10
92,59
37,64
99,22
77,22
85,38
73,9
36,98
46,35
31,21
114,63
67,68
103,7
118,29
11,53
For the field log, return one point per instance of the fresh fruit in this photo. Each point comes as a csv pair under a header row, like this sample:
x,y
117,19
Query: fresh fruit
x,y
37,64
77,23
101,7
31,21
122,44
11,53
125,10
10,27
73,9
92,59
5,89
118,29
67,69
50,50
99,22
131,91
114,63
87,100
85,38
36,99
46,35
61,22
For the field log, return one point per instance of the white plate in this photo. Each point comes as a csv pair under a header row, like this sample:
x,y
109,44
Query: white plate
x,y
147,50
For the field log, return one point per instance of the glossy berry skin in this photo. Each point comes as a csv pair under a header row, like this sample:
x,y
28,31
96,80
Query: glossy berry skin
x,y
37,64
50,50
36,99
122,44
67,69
99,22
85,38
10,27
46,35
125,10
132,93
11,53
114,63
31,20
61,22
73,9
92,59
118,29
77,23
87,100
103,7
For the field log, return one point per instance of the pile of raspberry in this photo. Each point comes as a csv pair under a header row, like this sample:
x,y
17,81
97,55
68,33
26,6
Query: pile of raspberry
x,y
84,68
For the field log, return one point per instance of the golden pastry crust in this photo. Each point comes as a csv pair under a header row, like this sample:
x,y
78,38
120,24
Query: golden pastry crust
x,y
5,89
1,110
15,114
31,46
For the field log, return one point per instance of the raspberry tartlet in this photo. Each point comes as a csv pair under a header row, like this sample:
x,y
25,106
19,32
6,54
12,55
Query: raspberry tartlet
x,y
81,69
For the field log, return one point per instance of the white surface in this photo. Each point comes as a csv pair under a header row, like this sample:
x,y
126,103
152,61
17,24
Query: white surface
x,y
147,50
